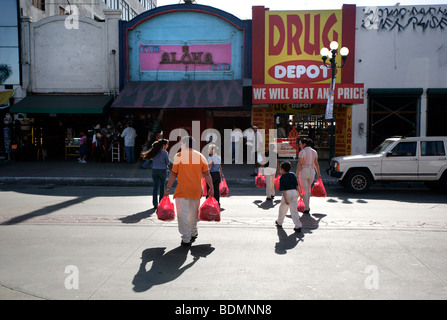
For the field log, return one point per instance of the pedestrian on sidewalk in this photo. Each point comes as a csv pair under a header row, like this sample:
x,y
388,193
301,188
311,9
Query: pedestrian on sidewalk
x,y
82,148
307,166
189,167
215,167
255,142
236,137
160,164
269,171
129,134
288,185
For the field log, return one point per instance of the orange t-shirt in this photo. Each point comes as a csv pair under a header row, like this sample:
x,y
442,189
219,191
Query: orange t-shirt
x,y
189,165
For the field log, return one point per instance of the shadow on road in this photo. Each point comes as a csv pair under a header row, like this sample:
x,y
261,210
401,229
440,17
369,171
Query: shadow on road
x,y
288,242
166,266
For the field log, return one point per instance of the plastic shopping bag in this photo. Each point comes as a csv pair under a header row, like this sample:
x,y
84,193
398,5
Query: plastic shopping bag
x,y
223,188
209,210
301,205
204,190
165,210
260,181
318,189
277,182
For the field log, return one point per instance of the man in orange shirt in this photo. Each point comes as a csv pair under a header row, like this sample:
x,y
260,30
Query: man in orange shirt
x,y
189,167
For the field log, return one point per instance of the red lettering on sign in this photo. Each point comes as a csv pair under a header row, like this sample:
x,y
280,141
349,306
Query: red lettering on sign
x,y
315,47
294,40
276,21
285,30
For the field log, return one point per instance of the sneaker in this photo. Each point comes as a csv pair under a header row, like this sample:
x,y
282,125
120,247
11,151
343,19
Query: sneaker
x,y
193,238
297,230
83,161
269,199
306,212
278,225
185,244
79,159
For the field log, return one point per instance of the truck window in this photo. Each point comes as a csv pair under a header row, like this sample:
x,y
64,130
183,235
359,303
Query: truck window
x,y
432,148
404,149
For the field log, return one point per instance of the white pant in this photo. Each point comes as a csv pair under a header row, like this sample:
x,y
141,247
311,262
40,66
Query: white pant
x,y
292,198
307,176
187,216
269,174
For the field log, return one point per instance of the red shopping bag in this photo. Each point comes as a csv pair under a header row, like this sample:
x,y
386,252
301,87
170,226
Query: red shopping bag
x,y
209,210
301,207
277,182
260,180
165,210
204,191
318,189
223,188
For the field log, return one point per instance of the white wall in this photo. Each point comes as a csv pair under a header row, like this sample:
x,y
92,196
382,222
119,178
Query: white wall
x,y
61,57
409,58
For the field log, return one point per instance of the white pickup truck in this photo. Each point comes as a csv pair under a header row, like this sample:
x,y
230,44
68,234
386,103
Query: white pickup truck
x,y
421,159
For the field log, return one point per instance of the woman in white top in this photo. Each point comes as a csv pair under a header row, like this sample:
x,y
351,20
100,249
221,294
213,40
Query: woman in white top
x,y
307,165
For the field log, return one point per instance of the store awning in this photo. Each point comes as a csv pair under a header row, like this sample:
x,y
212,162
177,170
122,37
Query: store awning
x,y
180,94
78,104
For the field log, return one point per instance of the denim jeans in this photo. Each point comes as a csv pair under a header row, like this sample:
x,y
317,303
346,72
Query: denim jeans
x,y
159,178
130,154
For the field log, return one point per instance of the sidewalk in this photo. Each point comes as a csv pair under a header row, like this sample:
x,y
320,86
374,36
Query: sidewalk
x,y
70,172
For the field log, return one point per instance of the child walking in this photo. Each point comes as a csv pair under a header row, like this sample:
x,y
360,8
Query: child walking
x,y
288,185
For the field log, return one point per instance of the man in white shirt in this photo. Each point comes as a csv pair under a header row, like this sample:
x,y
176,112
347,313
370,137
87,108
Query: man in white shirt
x,y
255,142
129,134
236,137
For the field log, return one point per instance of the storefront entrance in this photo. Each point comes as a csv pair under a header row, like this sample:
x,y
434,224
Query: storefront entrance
x,y
306,120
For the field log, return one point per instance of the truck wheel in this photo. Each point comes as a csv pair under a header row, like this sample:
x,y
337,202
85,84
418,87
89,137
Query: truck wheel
x,y
357,181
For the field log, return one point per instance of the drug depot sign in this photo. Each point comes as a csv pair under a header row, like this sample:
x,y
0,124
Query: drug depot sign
x,y
293,69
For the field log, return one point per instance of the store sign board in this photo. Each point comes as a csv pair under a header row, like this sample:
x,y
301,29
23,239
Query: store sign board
x,y
343,131
307,93
293,40
197,57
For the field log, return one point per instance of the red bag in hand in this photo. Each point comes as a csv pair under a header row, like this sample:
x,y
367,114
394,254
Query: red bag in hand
x,y
209,210
318,189
260,181
277,182
223,188
165,210
301,205
204,191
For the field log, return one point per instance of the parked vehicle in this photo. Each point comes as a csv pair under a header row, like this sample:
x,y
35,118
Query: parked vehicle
x,y
396,159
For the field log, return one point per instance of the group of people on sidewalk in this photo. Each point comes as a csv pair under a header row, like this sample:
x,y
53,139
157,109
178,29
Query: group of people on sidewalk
x,y
190,166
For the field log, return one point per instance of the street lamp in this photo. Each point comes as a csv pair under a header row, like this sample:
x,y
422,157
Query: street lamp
x,y
331,55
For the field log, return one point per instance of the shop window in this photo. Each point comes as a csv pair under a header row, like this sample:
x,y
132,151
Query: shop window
x,y
392,112
436,112
39,4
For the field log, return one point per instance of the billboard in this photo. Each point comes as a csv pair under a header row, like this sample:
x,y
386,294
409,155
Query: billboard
x,y
293,40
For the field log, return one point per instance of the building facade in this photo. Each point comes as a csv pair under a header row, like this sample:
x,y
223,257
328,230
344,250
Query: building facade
x,y
182,64
400,58
39,9
291,84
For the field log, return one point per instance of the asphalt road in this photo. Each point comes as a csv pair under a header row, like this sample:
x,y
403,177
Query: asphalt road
x,y
65,242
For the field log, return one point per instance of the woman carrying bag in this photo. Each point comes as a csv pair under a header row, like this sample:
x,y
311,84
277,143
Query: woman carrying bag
x,y
215,167
160,163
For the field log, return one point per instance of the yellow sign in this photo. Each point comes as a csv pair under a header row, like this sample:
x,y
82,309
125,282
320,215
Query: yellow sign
x,y
343,131
4,98
293,40
310,108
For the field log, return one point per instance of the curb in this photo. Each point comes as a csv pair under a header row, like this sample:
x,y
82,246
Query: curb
x,y
78,181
